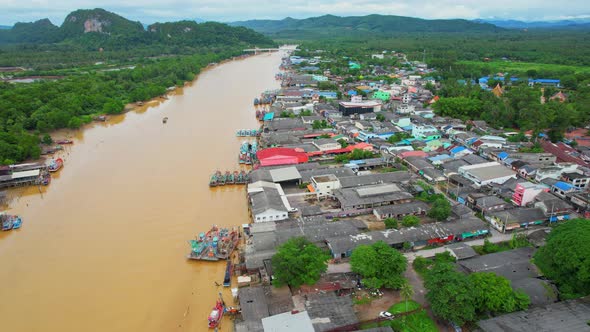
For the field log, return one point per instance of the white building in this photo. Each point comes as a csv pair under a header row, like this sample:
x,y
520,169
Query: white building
x,y
326,144
425,131
324,184
268,202
485,173
554,172
406,109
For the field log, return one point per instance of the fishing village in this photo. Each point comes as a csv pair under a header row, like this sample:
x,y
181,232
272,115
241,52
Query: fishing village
x,y
366,162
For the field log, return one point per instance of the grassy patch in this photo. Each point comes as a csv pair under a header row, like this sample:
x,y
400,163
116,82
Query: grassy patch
x,y
417,322
401,307
501,66
363,300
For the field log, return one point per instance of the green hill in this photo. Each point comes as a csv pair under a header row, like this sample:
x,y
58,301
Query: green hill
x,y
361,25
97,28
206,34
98,20
35,32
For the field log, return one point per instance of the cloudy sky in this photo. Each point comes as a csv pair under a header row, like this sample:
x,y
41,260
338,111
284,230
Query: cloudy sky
x,y
149,11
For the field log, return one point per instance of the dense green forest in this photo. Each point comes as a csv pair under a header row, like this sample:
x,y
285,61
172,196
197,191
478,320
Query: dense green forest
x,y
146,63
369,25
443,50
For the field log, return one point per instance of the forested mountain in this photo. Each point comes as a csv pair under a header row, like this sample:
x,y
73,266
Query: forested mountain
x,y
515,24
98,20
42,31
370,24
98,28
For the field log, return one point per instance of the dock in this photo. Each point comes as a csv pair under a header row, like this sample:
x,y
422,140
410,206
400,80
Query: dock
x,y
24,175
217,244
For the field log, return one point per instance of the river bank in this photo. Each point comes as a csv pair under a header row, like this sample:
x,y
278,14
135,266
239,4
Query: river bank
x,y
110,234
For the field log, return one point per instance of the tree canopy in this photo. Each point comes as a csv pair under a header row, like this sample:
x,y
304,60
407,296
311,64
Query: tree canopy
x,y
450,294
459,298
494,294
566,257
379,265
441,209
298,262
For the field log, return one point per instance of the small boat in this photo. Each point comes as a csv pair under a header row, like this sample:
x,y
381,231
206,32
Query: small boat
x,y
140,103
65,141
165,119
55,165
10,222
216,314
213,181
227,277
101,118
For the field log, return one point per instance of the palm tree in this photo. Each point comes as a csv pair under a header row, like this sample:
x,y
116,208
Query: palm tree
x,y
406,291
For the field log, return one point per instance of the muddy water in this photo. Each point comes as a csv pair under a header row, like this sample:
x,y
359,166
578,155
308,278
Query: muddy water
x,y
103,247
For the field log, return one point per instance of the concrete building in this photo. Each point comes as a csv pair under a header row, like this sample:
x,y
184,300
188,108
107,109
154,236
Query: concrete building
x,y
425,132
268,202
323,185
401,210
515,218
569,315
561,189
482,174
326,144
526,192
349,108
554,172
576,179
288,322
368,197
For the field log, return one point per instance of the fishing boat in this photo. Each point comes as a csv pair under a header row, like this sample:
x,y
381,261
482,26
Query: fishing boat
x,y
230,178
55,165
223,179
65,141
236,177
10,221
256,101
216,244
165,119
227,277
216,314
213,181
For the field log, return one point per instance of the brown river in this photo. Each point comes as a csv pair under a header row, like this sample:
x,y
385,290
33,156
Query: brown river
x,y
103,247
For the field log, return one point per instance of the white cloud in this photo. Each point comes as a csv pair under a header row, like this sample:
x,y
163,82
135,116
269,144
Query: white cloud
x,y
149,11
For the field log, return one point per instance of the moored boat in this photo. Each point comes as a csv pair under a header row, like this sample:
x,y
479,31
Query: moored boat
x,y
216,314
65,141
10,221
55,165
227,277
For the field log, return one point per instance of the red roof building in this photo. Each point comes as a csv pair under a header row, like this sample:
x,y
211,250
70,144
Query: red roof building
x,y
281,156
563,152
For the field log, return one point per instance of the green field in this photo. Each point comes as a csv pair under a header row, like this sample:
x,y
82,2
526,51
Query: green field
x,y
509,66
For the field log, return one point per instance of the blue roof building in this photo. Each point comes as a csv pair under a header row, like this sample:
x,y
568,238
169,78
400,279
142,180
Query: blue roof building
x,y
269,116
502,155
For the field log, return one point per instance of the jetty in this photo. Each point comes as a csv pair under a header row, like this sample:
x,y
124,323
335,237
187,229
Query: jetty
x,y
24,175
216,244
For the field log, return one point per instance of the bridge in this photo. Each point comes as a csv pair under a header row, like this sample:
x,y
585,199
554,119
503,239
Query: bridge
x,y
257,50
288,48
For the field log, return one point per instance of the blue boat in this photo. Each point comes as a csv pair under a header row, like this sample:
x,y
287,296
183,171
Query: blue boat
x,y
227,278
10,222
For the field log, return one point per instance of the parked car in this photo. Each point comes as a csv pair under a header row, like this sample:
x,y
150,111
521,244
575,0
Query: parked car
x,y
386,315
